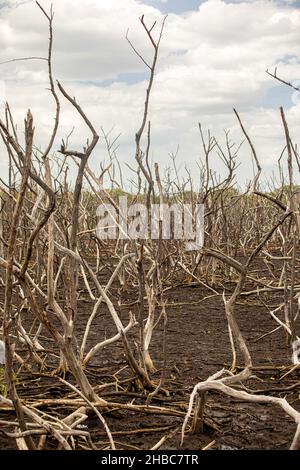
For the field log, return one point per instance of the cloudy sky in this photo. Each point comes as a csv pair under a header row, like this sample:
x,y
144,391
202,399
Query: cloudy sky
x,y
213,57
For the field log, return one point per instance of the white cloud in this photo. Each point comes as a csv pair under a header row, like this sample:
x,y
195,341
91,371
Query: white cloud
x,y
211,60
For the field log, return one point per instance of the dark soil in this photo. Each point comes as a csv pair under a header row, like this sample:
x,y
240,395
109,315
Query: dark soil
x,y
197,346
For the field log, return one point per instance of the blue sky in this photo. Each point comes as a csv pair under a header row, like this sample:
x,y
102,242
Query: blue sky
x,y
181,6
175,6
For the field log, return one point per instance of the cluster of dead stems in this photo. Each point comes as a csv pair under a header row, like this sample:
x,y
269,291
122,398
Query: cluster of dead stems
x,y
51,255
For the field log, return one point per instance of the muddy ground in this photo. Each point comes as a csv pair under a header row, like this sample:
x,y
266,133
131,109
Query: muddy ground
x,y
197,346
